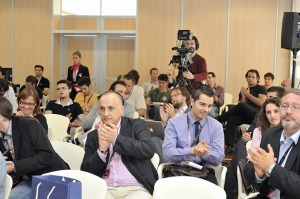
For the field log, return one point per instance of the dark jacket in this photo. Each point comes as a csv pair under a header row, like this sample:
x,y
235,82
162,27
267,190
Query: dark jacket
x,y
286,179
82,71
33,151
135,147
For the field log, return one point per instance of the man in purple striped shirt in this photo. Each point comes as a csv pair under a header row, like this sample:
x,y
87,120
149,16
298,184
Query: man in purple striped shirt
x,y
120,151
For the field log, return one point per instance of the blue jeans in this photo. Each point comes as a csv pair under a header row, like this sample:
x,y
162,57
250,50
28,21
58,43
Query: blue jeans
x,y
21,191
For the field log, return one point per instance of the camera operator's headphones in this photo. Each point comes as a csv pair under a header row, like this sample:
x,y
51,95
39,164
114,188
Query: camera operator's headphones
x,y
196,41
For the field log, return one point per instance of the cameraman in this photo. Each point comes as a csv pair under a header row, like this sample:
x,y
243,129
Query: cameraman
x,y
199,67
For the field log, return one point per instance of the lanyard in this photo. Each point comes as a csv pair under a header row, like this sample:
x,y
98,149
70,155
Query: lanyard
x,y
199,131
285,154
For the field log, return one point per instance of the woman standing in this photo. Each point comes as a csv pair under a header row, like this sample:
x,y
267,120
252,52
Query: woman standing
x,y
75,72
28,101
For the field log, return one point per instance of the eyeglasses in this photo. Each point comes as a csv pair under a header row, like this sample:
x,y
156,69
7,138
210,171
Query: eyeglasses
x,y
293,107
175,95
30,105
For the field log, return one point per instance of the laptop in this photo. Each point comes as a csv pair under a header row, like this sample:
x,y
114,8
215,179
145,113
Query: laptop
x,y
156,128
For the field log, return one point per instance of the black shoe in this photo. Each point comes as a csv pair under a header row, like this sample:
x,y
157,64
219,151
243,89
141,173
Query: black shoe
x,y
229,150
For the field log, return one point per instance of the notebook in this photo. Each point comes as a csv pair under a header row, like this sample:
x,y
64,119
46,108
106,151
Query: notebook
x,y
156,128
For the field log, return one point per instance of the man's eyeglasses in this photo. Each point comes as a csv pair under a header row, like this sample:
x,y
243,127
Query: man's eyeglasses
x,y
30,105
175,95
293,107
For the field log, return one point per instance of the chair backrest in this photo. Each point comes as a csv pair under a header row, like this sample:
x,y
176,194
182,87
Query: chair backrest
x,y
227,100
248,145
155,160
59,125
92,186
186,187
70,153
220,173
44,103
241,188
8,186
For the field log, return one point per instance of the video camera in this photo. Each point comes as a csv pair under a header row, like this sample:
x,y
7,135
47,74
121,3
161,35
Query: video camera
x,y
183,59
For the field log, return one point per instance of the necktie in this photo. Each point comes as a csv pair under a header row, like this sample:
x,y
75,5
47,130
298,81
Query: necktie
x,y
196,132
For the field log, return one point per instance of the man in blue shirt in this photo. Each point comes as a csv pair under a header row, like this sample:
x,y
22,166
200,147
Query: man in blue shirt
x,y
201,143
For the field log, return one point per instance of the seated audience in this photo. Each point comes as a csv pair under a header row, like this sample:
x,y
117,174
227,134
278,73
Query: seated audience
x,y
134,95
250,100
219,94
31,150
268,117
180,102
269,80
30,83
195,136
8,92
86,97
160,94
286,84
120,151
41,81
153,83
274,166
240,149
28,101
64,105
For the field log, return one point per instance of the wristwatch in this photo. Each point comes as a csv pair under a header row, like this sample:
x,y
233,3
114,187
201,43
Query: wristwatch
x,y
269,171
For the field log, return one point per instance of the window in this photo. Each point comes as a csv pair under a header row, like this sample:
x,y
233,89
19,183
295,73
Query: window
x,y
93,7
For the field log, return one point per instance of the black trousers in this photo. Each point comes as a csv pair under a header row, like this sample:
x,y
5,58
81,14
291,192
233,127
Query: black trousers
x,y
242,113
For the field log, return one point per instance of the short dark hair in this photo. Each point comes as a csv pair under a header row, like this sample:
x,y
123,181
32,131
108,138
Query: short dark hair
x,y
84,81
203,89
135,76
212,74
152,69
163,77
110,92
6,109
269,75
184,92
113,85
30,79
278,89
39,66
4,84
128,77
64,81
253,71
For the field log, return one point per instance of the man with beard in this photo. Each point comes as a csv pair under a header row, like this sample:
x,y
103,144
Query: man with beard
x,y
275,165
180,101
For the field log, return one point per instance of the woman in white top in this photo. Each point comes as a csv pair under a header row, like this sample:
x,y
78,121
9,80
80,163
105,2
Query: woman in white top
x,y
269,116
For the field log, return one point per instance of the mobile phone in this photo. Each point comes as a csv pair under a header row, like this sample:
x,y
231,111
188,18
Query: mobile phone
x,y
8,155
